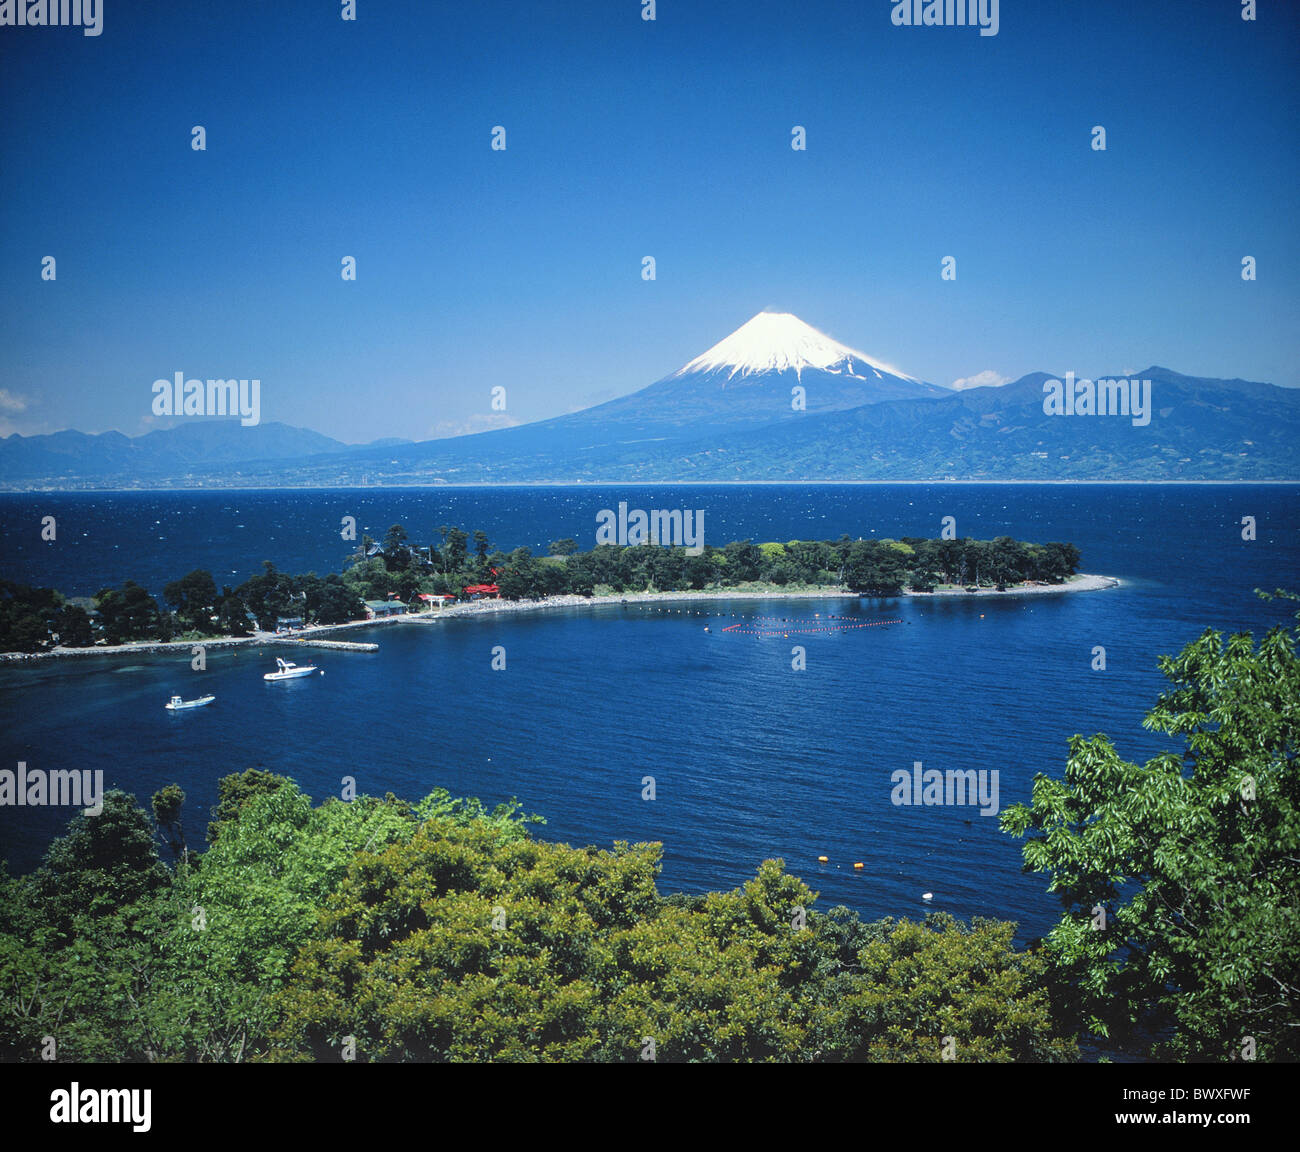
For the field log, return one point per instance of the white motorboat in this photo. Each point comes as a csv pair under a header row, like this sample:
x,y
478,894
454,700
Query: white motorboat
x,y
176,704
288,670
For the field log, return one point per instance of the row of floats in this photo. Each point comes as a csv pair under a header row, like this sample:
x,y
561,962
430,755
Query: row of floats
x,y
858,866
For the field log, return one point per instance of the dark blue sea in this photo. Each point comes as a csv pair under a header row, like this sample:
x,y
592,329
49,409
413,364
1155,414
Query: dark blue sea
x,y
751,759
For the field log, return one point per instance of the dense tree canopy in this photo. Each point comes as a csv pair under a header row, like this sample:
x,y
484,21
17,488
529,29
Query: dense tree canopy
x,y
193,598
1181,878
379,930
27,615
130,614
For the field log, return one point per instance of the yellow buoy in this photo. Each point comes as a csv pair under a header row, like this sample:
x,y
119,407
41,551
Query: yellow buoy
x,y
858,865
821,859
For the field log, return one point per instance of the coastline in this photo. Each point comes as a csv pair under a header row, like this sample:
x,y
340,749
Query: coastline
x,y
1081,582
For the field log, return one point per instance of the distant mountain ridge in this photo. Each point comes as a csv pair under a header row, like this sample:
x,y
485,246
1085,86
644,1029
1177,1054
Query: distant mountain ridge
x,y
774,401
196,447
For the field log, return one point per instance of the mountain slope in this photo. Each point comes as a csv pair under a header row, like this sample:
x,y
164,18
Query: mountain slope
x,y
727,415
113,457
1200,429
745,381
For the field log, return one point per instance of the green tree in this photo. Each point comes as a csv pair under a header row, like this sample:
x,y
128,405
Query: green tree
x,y
922,579
743,561
129,614
27,616
74,627
875,568
167,804
407,586
370,580
258,889
443,931
699,570
237,790
232,616
1179,877
269,595
522,578
455,550
481,547
566,547
1057,561
103,863
91,988
27,632
1004,560
397,556
193,598
331,600
940,991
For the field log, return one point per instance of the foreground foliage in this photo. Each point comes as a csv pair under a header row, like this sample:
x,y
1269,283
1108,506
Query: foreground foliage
x,y
1181,878
379,930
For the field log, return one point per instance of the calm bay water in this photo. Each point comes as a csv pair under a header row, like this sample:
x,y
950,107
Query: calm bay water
x,y
751,759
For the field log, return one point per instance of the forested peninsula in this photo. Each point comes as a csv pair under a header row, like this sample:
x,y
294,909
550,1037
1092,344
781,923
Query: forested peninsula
x,y
398,576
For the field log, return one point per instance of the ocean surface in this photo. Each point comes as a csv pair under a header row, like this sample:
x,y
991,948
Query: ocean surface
x,y
751,759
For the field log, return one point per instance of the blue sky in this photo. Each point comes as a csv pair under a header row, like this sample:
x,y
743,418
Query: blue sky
x,y
627,138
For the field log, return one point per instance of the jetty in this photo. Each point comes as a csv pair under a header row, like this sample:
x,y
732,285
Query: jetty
x,y
336,645
186,647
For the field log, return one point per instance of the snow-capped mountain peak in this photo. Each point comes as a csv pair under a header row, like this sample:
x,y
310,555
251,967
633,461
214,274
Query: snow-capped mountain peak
x,y
781,342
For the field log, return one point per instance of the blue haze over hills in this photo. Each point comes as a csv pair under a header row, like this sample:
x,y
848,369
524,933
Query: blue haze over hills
x,y
774,401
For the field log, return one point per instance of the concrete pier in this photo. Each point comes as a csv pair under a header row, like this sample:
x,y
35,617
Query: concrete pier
x,y
337,645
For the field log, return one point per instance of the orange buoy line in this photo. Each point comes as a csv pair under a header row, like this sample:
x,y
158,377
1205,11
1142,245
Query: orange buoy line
x,y
819,624
747,628
853,621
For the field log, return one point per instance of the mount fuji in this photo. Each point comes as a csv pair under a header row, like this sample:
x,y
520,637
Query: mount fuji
x,y
745,381
780,342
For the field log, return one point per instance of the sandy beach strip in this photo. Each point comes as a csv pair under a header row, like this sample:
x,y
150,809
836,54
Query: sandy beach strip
x,y
1079,583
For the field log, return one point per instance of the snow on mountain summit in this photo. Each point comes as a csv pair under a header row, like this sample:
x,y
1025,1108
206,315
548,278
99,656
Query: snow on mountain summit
x,y
781,342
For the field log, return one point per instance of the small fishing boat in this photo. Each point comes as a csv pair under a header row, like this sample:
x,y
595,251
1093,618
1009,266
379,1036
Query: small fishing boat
x,y
176,704
288,670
